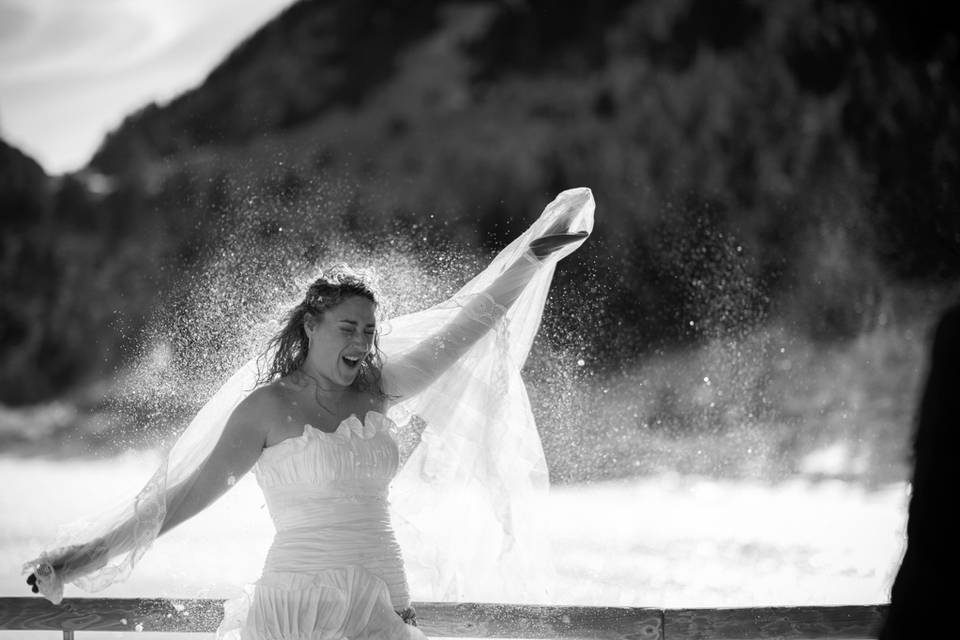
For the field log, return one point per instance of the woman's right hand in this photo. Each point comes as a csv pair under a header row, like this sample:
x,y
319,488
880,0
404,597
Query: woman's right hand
x,y
46,579
48,572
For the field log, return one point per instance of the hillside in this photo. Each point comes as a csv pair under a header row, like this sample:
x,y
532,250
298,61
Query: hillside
x,y
752,161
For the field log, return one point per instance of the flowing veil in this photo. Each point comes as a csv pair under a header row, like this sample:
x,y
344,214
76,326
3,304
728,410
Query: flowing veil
x,y
465,504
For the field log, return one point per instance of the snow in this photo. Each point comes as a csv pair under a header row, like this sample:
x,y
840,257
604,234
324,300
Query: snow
x,y
665,541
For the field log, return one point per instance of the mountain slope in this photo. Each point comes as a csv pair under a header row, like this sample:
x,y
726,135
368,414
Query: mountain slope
x,y
788,159
315,56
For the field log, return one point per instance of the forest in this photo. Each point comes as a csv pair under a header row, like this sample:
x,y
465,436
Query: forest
x,y
762,168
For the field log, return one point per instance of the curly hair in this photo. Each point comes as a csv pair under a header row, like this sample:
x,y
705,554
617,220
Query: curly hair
x,y
289,346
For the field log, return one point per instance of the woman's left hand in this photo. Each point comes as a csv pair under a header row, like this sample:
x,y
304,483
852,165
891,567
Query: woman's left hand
x,y
554,239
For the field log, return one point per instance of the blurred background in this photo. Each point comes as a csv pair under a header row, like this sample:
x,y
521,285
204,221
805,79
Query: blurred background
x,y
728,370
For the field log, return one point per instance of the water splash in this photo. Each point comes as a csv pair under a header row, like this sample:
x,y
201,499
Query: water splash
x,y
739,400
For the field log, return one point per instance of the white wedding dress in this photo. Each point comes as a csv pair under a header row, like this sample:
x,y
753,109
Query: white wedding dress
x,y
462,506
334,569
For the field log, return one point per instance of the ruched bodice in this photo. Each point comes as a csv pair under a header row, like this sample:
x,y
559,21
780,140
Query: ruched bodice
x,y
358,459
334,553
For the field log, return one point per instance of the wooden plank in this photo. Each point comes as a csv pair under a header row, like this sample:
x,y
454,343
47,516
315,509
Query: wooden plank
x,y
832,623
111,614
479,620
436,618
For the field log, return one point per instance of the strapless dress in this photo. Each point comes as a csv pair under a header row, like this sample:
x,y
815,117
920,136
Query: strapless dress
x,y
334,569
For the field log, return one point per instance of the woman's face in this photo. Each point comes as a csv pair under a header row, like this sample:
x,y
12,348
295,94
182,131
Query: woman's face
x,y
340,340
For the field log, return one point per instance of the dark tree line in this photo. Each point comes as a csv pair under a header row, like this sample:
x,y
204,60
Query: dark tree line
x,y
750,159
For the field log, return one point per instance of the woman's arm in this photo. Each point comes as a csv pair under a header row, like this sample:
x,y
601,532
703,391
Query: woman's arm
x,y
415,370
235,453
238,449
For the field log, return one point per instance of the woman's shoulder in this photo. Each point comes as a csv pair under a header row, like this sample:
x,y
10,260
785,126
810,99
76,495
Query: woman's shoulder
x,y
263,402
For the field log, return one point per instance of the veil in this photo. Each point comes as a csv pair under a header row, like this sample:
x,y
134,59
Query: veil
x,y
465,503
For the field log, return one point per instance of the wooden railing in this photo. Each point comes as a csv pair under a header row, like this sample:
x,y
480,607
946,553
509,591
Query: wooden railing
x,y
471,620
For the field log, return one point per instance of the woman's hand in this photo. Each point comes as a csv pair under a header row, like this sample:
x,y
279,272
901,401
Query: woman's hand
x,y
46,579
565,210
49,571
554,239
43,573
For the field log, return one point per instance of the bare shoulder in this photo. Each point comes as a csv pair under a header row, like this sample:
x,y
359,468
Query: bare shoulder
x,y
263,403
267,411
258,411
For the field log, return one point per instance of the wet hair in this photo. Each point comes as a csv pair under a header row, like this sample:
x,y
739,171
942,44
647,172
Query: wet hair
x,y
289,346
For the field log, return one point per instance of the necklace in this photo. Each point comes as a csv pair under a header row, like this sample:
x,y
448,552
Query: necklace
x,y
320,400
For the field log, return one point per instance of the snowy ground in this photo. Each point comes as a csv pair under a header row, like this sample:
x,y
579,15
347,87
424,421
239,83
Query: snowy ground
x,y
666,541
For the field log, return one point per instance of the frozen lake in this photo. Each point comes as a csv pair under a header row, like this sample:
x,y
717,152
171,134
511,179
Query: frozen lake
x,y
667,541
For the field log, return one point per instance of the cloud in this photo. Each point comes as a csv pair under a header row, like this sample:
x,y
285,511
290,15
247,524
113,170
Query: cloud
x,y
70,71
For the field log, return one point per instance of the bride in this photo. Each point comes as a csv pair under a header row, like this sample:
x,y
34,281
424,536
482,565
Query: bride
x,y
317,420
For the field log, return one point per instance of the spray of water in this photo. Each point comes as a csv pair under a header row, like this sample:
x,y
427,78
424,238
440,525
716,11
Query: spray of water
x,y
728,403
223,312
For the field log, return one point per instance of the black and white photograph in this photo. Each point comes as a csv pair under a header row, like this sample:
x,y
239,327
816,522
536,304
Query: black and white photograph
x,y
394,320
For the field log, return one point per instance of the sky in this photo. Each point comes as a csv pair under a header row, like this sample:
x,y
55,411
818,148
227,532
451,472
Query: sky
x,y
71,70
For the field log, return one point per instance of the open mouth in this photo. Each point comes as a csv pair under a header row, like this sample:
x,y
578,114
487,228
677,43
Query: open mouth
x,y
352,361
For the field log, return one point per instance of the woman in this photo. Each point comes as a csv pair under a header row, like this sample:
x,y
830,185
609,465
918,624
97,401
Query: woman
x,y
315,429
